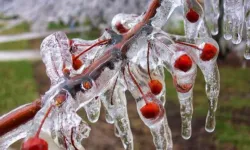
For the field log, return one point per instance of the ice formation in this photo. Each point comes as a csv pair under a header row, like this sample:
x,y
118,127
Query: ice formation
x,y
132,56
235,17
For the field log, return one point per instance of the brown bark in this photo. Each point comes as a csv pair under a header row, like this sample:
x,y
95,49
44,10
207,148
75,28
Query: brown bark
x,y
19,117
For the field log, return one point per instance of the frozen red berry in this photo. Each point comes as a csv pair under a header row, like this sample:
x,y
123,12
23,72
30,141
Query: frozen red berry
x,y
35,143
183,63
192,16
76,63
155,86
121,28
71,42
208,52
150,111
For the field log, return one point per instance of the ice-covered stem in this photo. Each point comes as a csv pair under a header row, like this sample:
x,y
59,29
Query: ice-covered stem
x,y
92,46
19,116
45,116
137,85
147,16
149,74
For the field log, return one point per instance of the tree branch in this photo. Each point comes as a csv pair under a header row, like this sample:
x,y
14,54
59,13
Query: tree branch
x,y
26,113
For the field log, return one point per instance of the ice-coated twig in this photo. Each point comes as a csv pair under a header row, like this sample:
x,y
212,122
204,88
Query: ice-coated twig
x,y
131,57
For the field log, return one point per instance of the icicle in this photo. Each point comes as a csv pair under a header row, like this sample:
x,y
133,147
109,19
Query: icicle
x,y
212,78
247,17
114,101
116,132
233,20
93,109
108,118
184,74
162,135
212,13
121,118
205,55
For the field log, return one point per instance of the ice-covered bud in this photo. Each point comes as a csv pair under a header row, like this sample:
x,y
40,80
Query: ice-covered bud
x,y
120,28
155,86
150,111
77,63
35,143
192,16
208,52
122,23
183,63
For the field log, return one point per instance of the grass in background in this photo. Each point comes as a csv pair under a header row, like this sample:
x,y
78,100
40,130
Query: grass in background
x,y
17,45
56,26
17,85
20,28
35,43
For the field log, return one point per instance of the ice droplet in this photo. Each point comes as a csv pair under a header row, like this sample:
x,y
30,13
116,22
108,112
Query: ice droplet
x,y
92,109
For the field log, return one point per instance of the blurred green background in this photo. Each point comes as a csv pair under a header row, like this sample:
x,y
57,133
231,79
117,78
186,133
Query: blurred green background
x,y
23,81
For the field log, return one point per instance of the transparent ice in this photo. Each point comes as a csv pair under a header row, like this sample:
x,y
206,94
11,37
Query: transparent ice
x,y
112,65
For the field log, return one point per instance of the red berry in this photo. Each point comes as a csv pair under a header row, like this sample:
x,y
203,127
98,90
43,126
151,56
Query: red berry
x,y
208,52
70,42
183,63
66,71
155,86
150,110
35,143
192,16
76,63
121,28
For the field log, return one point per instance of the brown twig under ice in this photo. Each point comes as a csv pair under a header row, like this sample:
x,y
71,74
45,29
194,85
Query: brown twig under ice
x,y
26,113
19,117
